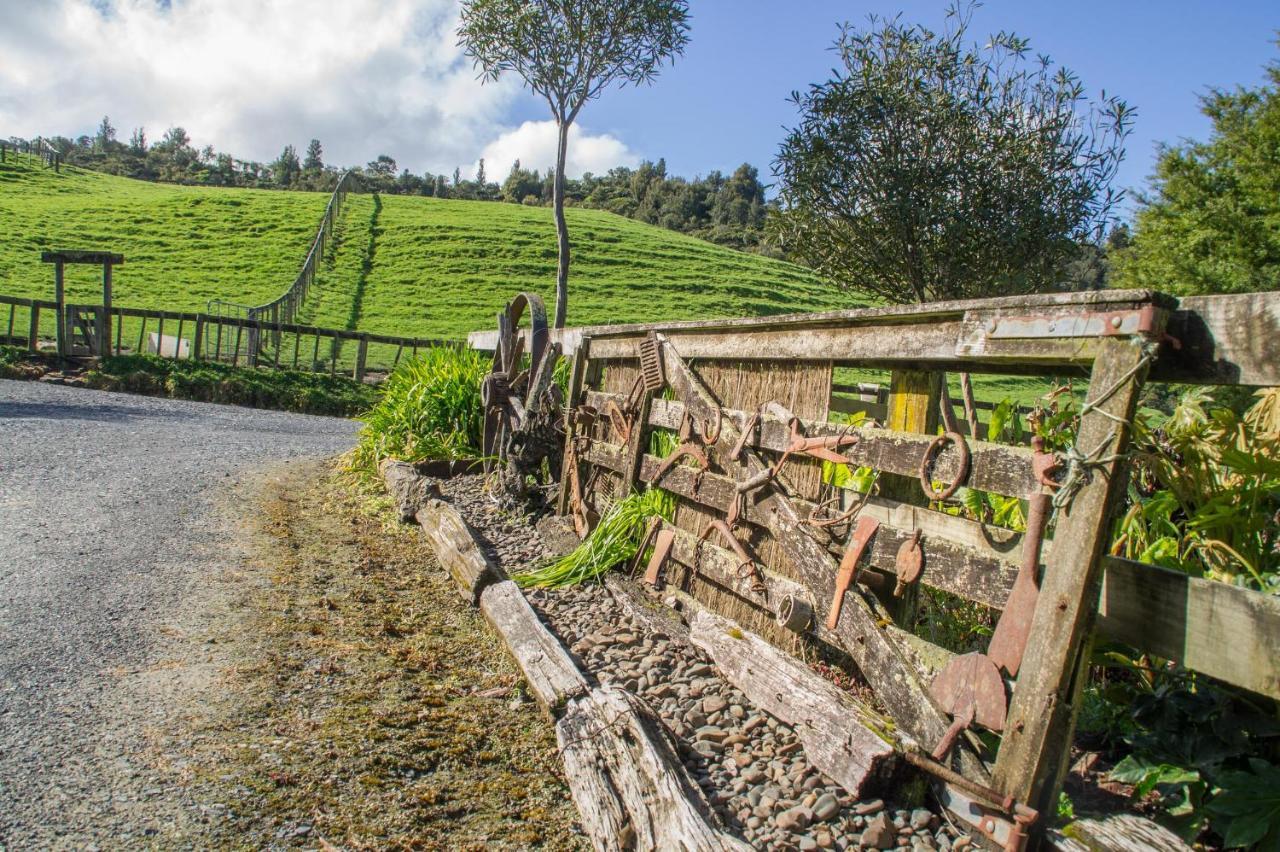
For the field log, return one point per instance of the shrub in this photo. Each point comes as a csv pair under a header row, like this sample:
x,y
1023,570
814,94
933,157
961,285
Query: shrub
x,y
430,409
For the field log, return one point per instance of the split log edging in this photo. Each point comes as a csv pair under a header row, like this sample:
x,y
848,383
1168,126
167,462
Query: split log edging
x,y
630,786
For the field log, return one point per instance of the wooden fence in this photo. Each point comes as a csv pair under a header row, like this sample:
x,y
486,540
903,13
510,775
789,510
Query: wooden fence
x,y
234,340
284,308
752,375
41,148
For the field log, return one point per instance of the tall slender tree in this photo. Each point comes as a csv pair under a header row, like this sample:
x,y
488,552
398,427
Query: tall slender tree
x,y
568,52
314,161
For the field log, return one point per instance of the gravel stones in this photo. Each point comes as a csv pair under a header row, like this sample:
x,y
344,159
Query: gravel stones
x,y
750,765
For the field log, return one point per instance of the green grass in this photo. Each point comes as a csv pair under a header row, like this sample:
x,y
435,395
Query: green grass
x,y
182,245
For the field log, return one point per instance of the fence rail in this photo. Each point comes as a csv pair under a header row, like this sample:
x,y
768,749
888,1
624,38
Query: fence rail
x,y
41,148
213,337
1117,339
284,308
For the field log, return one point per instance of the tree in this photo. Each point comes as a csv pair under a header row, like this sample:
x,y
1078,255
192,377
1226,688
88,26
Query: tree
x,y
314,162
106,134
286,168
1212,221
138,141
383,166
930,168
568,52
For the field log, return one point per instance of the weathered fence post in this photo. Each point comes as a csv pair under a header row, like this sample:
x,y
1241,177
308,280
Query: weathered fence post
x,y
1034,754
197,339
104,317
60,296
362,353
33,340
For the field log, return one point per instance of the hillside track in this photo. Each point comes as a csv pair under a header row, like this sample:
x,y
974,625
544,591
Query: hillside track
x,y
116,545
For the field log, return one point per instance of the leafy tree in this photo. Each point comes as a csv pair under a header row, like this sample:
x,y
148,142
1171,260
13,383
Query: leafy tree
x,y
569,51
138,141
314,162
106,134
1212,221
383,166
929,167
286,168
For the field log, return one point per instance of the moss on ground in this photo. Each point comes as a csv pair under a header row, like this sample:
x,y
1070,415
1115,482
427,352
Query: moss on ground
x,y
372,708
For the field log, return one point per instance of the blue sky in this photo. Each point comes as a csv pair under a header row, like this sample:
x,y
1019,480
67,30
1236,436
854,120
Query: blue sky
x,y
724,102
369,77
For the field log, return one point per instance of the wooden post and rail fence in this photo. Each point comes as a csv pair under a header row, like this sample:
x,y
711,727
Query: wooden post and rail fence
x,y
756,384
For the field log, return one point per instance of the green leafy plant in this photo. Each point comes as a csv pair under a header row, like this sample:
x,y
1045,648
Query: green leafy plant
x,y
1246,810
430,409
614,540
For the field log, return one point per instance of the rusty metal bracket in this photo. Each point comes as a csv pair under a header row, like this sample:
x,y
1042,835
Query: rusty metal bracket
x,y
867,526
1073,324
926,466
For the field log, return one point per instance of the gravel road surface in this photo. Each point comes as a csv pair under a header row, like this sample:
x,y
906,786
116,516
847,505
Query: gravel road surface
x,y
115,544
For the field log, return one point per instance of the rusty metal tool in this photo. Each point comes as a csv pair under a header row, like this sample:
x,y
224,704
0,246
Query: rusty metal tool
x,y
690,446
971,690
662,543
909,564
1009,640
926,466
746,564
862,533
648,380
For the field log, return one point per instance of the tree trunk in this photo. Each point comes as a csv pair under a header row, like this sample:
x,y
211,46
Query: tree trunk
x,y
562,230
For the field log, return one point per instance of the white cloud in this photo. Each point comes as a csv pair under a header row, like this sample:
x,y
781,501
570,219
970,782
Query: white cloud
x,y
247,76
534,145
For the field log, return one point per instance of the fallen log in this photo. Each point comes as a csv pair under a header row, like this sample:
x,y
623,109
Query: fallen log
x,y
457,550
848,741
409,488
551,674
628,782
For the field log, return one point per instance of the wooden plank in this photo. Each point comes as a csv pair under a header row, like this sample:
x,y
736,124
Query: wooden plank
x,y
630,786
878,658
994,467
1223,340
874,410
458,550
1226,632
1034,752
577,373
1117,833
852,743
105,258
552,676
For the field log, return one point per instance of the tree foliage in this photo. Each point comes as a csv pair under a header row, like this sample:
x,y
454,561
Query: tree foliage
x,y
929,167
1212,221
568,52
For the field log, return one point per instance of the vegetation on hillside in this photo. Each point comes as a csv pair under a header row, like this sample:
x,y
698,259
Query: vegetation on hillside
x,y
435,268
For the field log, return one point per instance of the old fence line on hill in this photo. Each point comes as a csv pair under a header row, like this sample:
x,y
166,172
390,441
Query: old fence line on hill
x,y
213,337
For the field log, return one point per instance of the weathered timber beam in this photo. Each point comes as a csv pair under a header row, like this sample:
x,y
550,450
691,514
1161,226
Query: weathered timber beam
x,y
409,488
552,676
888,314
878,657
994,467
847,740
1223,340
457,549
630,786
1117,833
1226,632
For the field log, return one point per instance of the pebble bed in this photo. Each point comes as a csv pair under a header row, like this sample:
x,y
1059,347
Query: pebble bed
x,y
750,765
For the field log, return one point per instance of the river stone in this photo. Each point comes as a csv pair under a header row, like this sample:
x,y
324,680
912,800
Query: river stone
x,y
867,808
879,833
920,818
752,774
826,807
713,704
710,732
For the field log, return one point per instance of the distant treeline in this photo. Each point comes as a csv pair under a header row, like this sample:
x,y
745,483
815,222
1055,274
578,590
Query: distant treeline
x,y
727,210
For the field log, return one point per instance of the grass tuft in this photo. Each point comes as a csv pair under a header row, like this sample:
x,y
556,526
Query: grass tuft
x,y
430,409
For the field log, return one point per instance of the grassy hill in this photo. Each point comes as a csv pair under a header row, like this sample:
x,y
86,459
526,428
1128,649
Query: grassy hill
x,y
402,265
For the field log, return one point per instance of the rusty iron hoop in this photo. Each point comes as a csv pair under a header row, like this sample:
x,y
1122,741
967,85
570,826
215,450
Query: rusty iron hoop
x,y
926,463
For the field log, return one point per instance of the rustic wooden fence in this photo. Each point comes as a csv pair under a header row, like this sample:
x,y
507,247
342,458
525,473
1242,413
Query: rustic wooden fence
x,y
40,148
239,341
739,383
284,308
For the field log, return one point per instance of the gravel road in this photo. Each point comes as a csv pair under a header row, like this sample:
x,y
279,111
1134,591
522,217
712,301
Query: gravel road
x,y
115,543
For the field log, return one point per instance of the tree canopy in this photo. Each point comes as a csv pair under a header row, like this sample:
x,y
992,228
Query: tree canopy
x,y
929,167
568,52
1211,223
